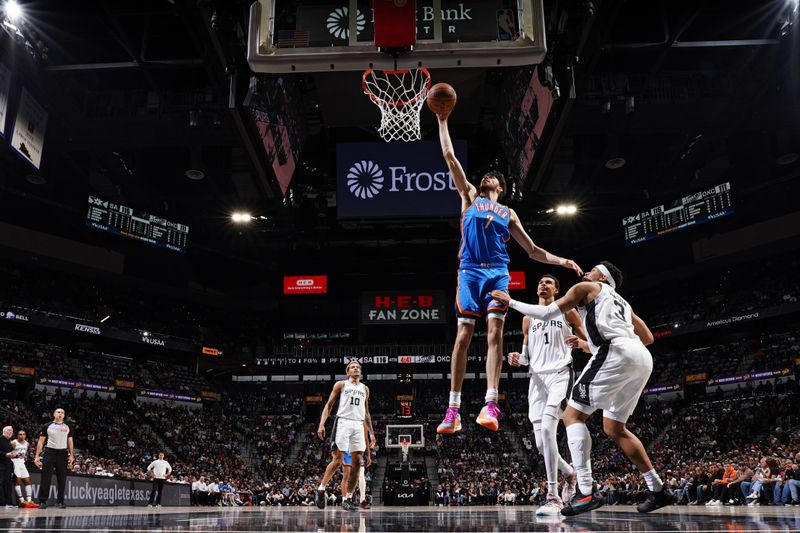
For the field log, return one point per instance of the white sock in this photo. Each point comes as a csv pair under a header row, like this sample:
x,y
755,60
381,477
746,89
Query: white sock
x,y
28,491
580,447
19,491
564,467
491,395
455,399
550,451
653,481
362,485
321,487
349,496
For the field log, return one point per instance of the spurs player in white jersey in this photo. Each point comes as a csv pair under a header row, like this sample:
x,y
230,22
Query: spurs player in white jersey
x,y
612,381
348,433
549,360
18,458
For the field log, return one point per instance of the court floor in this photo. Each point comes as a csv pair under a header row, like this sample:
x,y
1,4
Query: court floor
x,y
119,519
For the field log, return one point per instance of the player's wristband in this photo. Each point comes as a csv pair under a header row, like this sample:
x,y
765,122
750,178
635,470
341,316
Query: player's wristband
x,y
523,358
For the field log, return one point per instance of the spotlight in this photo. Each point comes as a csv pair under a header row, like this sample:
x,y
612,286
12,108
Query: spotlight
x,y
105,318
145,333
567,209
13,10
241,217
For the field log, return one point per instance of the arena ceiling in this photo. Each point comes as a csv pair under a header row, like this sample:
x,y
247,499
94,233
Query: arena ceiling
x,y
688,93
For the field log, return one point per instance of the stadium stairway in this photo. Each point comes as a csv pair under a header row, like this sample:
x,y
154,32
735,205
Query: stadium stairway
x,y
305,432
432,472
378,478
516,442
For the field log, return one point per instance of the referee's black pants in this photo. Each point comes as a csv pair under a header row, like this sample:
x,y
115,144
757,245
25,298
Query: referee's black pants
x,y
53,460
158,484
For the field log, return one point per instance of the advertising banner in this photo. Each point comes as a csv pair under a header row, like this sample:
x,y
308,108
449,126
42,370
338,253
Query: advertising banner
x,y
735,318
44,319
305,284
124,384
694,378
751,376
661,389
403,307
517,281
386,180
164,395
72,384
23,370
95,491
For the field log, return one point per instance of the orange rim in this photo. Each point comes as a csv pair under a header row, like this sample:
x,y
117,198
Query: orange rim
x,y
401,103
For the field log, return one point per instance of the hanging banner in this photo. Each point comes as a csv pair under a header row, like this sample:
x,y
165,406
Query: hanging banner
x,y
517,280
5,90
29,129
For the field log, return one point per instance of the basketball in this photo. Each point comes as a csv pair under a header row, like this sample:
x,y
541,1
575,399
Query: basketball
x,y
442,99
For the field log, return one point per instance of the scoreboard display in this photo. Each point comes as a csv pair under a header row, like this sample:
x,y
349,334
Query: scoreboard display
x,y
404,406
121,220
686,212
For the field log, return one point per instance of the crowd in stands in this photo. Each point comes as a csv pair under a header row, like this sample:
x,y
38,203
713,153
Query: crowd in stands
x,y
718,293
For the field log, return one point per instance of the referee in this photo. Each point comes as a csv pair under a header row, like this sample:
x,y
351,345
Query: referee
x,y
56,436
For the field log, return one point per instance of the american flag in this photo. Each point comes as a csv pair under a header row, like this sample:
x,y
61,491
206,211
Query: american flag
x,y
290,38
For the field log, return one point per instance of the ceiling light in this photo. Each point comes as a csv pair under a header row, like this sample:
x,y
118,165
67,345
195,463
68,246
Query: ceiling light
x,y
567,209
241,217
105,318
615,163
13,10
787,158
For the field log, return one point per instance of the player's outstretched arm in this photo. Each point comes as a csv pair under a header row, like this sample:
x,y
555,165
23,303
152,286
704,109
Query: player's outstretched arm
x,y
326,411
574,296
467,190
535,252
642,331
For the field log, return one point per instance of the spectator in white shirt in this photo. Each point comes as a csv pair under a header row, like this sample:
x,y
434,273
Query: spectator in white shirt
x,y
200,491
160,469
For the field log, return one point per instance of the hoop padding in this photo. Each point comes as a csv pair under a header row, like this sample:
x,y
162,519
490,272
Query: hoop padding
x,y
399,94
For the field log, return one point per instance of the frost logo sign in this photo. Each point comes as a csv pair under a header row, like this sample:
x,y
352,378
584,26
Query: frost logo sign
x,y
365,179
388,180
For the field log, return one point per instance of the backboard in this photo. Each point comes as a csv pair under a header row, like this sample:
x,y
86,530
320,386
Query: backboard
x,y
394,434
338,35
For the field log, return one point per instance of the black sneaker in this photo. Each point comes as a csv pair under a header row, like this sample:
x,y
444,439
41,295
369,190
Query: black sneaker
x,y
62,505
349,505
656,500
319,499
583,504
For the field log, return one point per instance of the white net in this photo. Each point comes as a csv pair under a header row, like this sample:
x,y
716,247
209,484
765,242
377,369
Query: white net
x,y
399,94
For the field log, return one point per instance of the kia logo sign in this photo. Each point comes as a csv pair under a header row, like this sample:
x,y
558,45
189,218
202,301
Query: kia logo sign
x,y
305,284
391,180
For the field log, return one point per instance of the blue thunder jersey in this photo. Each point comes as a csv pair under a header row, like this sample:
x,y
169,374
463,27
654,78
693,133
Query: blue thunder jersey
x,y
484,234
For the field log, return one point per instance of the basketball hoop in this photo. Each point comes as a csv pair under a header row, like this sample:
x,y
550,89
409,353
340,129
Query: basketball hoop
x,y
399,95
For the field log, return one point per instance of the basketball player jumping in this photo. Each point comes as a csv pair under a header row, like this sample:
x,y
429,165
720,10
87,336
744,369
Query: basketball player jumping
x,y
486,226
348,432
549,358
18,457
612,381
